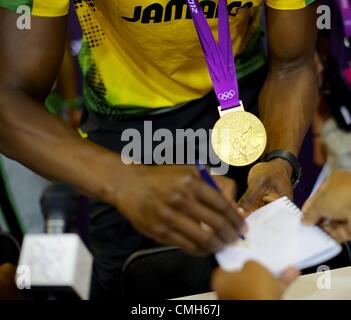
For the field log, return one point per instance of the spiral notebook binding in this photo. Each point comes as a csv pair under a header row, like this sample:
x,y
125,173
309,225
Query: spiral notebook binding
x,y
297,210
293,206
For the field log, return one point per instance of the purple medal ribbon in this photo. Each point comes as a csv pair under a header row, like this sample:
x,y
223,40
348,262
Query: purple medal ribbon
x,y
219,58
345,9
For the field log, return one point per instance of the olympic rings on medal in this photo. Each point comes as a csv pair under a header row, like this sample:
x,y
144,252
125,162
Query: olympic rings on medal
x,y
226,95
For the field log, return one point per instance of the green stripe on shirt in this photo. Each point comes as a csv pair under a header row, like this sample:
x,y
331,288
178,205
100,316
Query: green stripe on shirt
x,y
3,224
14,4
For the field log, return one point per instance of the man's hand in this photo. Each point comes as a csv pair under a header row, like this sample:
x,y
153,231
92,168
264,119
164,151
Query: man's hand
x,y
267,181
173,205
330,207
253,282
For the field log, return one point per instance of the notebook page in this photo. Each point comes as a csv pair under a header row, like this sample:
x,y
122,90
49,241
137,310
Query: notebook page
x,y
277,239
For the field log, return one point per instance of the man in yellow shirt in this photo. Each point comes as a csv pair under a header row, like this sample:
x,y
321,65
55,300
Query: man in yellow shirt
x,y
142,61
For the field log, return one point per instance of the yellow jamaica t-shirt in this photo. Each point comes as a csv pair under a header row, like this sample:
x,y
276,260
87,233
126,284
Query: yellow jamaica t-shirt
x,y
139,55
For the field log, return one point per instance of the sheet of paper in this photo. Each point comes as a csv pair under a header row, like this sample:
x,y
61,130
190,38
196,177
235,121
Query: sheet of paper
x,y
277,239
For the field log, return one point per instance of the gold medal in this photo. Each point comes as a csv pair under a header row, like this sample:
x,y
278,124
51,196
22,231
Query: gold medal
x,y
239,137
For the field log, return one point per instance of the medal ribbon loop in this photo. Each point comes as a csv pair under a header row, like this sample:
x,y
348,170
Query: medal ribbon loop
x,y
219,58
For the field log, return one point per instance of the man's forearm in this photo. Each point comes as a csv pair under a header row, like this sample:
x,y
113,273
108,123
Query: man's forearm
x,y
287,103
44,143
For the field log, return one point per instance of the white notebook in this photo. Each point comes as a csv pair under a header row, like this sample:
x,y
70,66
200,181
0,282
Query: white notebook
x,y
277,240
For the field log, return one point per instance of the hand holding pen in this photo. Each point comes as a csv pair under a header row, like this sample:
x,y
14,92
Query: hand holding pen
x,y
211,182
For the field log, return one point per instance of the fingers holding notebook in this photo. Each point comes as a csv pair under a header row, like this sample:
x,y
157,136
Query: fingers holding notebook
x,y
252,282
276,228
330,206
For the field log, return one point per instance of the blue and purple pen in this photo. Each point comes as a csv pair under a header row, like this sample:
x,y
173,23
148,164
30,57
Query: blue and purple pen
x,y
210,181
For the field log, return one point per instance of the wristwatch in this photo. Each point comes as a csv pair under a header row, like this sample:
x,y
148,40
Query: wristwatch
x,y
288,156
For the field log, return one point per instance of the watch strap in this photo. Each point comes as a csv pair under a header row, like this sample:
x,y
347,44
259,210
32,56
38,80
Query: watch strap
x,y
294,162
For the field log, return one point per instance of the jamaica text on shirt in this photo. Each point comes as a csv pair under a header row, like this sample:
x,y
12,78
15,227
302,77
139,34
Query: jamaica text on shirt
x,y
177,9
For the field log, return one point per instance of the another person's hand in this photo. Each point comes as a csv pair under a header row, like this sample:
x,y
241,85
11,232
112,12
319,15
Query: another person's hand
x,y
267,181
330,206
8,290
253,282
174,206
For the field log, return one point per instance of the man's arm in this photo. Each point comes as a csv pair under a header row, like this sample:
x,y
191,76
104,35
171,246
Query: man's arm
x,y
289,96
29,63
167,203
287,101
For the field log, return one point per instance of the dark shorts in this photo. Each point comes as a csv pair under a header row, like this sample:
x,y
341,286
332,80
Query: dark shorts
x,y
113,239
